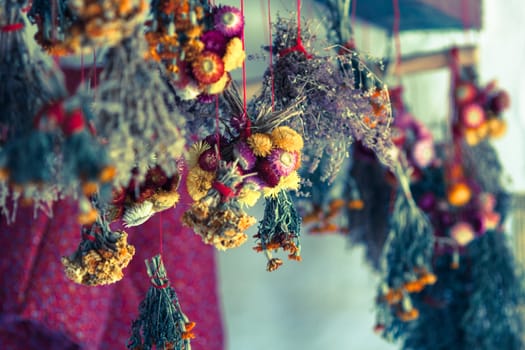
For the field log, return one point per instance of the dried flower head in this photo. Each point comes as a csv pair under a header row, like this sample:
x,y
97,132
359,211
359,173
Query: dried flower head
x,y
234,55
261,144
217,217
228,20
208,68
100,257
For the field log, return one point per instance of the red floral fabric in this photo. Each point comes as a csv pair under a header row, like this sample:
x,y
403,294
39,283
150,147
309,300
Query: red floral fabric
x,y
41,308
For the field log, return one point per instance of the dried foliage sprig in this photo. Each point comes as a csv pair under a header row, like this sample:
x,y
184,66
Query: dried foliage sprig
x,y
406,261
279,228
27,159
161,324
334,111
134,116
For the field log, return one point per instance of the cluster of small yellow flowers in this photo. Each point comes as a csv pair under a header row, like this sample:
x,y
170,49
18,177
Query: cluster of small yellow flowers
x,y
94,267
216,214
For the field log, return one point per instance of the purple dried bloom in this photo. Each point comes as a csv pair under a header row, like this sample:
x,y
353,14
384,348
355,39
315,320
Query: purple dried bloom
x,y
282,161
229,21
267,172
205,98
244,154
214,41
208,160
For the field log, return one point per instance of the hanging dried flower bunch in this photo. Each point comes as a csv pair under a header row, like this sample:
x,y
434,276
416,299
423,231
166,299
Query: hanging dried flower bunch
x,y
334,113
478,109
54,20
73,26
199,44
217,215
406,261
134,114
161,324
47,148
100,257
230,170
138,202
279,228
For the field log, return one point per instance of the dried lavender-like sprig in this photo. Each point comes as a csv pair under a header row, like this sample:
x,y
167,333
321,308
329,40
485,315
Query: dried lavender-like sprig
x,y
406,261
132,111
334,112
161,322
279,228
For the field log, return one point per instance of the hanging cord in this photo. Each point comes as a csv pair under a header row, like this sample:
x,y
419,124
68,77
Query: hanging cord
x,y
248,123
161,234
270,48
82,67
299,41
14,27
352,22
395,32
217,128
466,18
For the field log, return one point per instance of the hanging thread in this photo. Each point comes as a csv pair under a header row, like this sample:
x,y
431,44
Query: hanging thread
x,y
217,128
12,27
82,67
94,69
248,125
299,41
395,32
270,48
352,21
161,234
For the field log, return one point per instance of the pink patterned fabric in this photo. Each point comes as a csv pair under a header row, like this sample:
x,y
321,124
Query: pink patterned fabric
x,y
41,309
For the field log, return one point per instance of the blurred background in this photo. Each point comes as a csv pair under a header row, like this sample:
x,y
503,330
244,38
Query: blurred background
x,y
327,300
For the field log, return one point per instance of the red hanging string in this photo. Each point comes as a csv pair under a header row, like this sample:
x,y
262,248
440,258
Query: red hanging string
x,y
244,88
299,42
466,17
352,22
81,67
27,7
395,31
465,14
94,70
161,234
217,127
12,27
270,47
